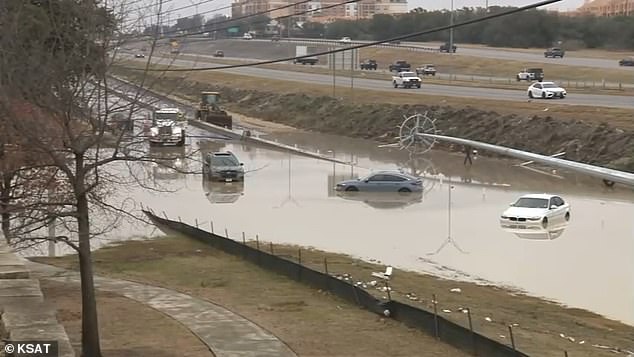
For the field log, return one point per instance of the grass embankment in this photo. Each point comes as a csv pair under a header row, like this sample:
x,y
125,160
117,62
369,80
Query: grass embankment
x,y
621,118
127,328
313,322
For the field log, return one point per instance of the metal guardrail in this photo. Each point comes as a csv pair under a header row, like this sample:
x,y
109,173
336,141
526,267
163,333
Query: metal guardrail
x,y
609,176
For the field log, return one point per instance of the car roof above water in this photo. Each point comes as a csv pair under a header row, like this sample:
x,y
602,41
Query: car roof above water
x,y
396,173
546,196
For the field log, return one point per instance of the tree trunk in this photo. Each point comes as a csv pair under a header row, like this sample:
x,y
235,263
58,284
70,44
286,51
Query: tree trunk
x,y
89,322
5,196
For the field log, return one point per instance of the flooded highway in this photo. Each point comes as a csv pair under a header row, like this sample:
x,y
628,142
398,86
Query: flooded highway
x,y
451,230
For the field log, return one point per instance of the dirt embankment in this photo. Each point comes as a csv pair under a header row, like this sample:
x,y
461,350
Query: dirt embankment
x,y
592,143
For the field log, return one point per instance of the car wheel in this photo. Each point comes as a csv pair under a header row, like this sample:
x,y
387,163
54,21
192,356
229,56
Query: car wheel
x,y
351,189
567,216
395,85
418,86
545,222
530,94
404,190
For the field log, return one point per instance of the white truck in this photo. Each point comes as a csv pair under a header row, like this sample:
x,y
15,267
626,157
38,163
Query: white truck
x,y
406,80
168,127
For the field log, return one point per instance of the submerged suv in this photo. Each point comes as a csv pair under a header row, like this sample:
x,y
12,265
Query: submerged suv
x,y
223,166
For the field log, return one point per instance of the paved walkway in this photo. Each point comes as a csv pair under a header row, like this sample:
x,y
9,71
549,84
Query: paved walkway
x,y
224,332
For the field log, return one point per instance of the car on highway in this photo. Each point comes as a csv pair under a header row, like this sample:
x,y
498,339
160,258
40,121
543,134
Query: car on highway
x,y
219,53
554,52
530,74
426,70
400,66
247,36
275,38
546,90
369,65
406,80
139,55
445,48
382,181
223,166
627,62
536,209
345,40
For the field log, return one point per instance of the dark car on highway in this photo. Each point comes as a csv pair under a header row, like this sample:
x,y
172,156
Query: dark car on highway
x,y
139,55
627,62
219,54
369,65
275,38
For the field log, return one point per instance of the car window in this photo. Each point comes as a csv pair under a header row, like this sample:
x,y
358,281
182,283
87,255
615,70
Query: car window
x,y
393,178
549,85
558,201
375,178
526,202
538,86
224,161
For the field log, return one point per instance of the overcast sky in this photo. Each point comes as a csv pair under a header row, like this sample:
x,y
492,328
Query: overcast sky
x,y
209,8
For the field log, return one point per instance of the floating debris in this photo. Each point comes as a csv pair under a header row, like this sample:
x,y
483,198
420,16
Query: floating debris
x,y
488,319
456,290
447,311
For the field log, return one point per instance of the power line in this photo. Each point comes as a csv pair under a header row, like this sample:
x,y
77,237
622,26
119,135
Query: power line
x,y
348,48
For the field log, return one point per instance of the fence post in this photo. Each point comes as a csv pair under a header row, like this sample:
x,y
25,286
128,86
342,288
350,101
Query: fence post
x,y
433,297
473,345
512,339
226,233
211,223
196,222
299,260
326,265
271,247
165,215
179,219
565,353
243,237
257,242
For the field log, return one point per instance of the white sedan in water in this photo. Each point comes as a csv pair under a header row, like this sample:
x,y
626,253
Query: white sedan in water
x,y
536,208
546,90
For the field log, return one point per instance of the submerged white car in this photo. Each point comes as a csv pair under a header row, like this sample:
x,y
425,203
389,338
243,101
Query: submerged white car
x,y
546,90
536,208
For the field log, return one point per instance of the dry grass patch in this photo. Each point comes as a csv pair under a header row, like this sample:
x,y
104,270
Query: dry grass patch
x,y
311,322
127,328
617,117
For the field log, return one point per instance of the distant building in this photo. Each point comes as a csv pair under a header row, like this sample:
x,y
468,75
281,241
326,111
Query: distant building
x,y
607,8
322,12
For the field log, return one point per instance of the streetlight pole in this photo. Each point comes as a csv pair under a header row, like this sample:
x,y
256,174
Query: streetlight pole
x,y
450,49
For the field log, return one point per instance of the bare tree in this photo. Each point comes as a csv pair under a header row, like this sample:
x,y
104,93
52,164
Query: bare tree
x,y
57,105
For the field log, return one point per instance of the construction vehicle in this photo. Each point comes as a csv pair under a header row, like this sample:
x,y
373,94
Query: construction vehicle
x,y
209,110
168,127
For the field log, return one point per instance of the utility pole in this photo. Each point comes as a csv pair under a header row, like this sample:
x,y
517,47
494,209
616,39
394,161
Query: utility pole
x,y
334,73
450,49
352,75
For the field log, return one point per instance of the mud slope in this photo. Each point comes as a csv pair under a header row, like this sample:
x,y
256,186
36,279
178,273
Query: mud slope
x,y
592,143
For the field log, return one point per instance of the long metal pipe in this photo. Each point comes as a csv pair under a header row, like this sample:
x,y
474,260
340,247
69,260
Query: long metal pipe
x,y
604,173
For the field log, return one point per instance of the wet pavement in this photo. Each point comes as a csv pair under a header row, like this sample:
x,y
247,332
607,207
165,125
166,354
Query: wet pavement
x,y
586,263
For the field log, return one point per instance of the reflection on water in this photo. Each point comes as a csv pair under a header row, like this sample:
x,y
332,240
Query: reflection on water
x,y
222,192
384,200
169,162
552,231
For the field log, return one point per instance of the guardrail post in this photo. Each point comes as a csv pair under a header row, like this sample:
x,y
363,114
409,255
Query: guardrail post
x,y
257,242
226,233
165,215
179,219
473,344
512,338
196,222
211,223
435,302
326,265
299,256
271,247
243,237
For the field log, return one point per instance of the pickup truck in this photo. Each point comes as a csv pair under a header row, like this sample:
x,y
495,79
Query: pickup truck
x,y
530,74
369,65
445,48
406,80
306,60
554,52
400,66
426,70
